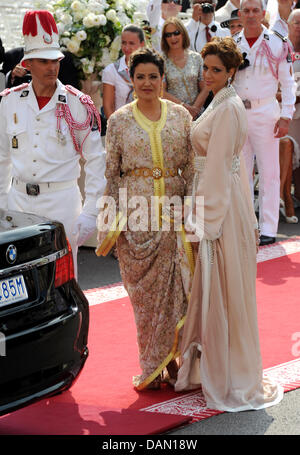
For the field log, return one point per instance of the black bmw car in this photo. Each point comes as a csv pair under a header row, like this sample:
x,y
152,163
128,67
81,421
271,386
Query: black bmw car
x,y
44,315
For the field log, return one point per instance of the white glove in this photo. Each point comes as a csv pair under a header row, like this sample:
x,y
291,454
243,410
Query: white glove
x,y
84,227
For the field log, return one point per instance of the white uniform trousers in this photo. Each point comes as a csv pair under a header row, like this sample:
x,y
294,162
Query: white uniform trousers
x,y
262,145
63,205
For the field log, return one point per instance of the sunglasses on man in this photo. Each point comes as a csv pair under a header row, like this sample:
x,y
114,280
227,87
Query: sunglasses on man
x,y
177,2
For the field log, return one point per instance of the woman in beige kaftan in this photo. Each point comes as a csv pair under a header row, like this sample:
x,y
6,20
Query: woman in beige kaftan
x,y
153,264
149,261
220,344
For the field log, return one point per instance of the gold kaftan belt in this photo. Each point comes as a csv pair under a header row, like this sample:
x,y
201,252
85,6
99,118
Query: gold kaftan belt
x,y
155,172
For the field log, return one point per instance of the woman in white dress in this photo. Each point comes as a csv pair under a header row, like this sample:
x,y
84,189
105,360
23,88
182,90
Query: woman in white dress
x,y
220,345
117,86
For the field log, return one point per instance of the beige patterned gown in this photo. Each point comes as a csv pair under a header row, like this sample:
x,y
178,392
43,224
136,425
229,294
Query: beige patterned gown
x,y
220,343
151,261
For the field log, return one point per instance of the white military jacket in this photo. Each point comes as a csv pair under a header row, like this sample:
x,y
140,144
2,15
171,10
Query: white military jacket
x,y
31,149
256,81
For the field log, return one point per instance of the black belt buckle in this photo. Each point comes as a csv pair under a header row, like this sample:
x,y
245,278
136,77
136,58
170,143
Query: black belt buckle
x,y
32,189
247,104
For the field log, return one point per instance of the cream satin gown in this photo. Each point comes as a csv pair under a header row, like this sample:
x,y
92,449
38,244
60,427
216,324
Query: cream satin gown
x,y
220,346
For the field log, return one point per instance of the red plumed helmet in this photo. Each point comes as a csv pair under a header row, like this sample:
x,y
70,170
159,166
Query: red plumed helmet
x,y
40,36
46,20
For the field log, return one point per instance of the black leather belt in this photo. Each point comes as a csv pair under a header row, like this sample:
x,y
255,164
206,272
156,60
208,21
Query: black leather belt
x,y
32,189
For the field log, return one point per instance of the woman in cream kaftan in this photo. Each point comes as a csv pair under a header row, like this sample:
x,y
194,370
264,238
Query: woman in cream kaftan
x,y
153,264
220,344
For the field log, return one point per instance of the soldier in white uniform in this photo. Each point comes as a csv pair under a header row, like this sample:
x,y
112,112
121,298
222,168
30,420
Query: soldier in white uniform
x,y
40,147
267,62
202,26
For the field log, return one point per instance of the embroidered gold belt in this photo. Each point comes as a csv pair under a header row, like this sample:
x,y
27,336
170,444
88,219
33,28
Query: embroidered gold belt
x,y
154,172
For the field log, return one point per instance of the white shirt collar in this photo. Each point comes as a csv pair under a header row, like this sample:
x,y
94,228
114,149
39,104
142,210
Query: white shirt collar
x,y
263,32
123,65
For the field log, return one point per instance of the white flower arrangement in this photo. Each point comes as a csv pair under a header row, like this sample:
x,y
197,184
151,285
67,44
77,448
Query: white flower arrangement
x,y
91,29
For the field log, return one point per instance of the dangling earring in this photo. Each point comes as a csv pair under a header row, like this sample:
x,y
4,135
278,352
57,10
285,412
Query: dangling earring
x,y
229,81
134,95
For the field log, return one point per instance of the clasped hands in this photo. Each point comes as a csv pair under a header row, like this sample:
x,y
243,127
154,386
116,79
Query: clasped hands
x,y
18,71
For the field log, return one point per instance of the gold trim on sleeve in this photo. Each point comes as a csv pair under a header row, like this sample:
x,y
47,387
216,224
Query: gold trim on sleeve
x,y
113,235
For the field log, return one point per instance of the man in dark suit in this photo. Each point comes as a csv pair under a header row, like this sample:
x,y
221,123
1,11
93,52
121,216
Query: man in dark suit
x,y
1,52
16,74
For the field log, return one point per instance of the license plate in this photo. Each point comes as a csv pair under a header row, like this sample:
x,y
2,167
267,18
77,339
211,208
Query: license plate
x,y
12,290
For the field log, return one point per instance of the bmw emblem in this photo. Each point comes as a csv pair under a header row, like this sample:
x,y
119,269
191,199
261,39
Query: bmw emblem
x,y
11,254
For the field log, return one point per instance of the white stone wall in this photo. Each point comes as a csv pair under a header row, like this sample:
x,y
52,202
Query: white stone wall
x,y
11,20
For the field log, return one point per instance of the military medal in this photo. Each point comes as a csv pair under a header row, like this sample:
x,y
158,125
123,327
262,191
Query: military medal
x,y
14,143
61,138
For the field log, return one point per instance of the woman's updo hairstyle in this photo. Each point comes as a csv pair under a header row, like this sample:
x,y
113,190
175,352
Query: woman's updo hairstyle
x,y
227,51
132,28
145,55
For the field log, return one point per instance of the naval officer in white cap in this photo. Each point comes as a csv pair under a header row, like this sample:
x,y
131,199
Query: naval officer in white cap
x,y
45,127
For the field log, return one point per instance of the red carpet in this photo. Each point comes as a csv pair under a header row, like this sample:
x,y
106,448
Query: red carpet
x,y
103,400
278,303
53,418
